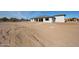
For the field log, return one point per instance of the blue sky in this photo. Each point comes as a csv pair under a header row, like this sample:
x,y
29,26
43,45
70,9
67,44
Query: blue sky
x,y
30,14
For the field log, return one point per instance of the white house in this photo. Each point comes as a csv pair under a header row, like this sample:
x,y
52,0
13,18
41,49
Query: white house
x,y
49,19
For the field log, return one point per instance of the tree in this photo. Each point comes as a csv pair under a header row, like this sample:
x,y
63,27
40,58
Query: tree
x,y
4,19
13,19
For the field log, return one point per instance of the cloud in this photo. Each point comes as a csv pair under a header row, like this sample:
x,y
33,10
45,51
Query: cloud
x,y
22,14
31,14
16,14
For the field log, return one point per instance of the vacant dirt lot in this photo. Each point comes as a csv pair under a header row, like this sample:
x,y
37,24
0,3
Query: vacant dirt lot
x,y
26,34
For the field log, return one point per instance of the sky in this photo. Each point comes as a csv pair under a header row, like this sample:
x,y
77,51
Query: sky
x,y
31,14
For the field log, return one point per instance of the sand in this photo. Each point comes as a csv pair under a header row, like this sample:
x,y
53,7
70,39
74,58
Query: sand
x,y
28,34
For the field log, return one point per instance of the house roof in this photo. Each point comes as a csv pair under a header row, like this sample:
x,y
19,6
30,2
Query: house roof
x,y
43,17
48,16
60,15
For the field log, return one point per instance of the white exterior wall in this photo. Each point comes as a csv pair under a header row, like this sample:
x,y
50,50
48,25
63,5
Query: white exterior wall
x,y
38,19
59,19
32,20
49,21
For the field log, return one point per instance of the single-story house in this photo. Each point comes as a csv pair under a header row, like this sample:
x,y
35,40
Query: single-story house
x,y
49,19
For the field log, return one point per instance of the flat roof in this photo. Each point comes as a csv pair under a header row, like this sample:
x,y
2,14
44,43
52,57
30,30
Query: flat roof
x,y
48,16
43,17
60,15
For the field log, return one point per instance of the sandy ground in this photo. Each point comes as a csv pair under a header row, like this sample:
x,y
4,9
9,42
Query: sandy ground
x,y
26,34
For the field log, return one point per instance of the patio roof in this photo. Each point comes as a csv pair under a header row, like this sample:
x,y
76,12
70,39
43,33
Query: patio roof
x,y
48,16
43,17
60,15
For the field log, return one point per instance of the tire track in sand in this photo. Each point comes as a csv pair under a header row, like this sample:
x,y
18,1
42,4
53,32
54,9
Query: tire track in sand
x,y
37,39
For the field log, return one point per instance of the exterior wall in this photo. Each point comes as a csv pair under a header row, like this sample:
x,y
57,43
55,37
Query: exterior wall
x,y
32,20
59,19
49,21
38,19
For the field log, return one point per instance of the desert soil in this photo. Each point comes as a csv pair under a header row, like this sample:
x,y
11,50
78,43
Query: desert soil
x,y
27,34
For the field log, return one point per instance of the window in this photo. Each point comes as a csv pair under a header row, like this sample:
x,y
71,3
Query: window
x,y
41,20
47,19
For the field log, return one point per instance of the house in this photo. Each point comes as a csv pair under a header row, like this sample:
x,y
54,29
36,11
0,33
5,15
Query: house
x,y
49,19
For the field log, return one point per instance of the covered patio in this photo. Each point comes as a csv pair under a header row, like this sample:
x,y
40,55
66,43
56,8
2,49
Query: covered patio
x,y
44,19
